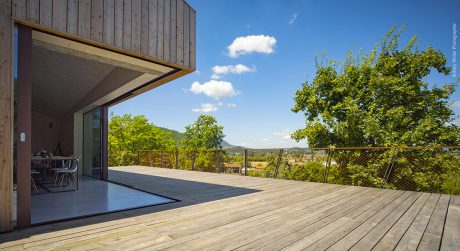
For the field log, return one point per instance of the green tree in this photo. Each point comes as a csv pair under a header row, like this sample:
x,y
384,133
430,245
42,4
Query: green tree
x,y
381,99
199,138
204,133
129,134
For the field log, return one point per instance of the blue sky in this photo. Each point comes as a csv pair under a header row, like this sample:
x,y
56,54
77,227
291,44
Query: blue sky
x,y
277,47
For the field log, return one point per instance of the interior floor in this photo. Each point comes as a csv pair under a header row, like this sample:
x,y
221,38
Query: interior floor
x,y
93,197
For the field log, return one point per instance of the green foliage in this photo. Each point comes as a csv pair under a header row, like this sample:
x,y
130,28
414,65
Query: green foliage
x,y
129,134
204,133
451,184
312,171
178,137
381,99
198,138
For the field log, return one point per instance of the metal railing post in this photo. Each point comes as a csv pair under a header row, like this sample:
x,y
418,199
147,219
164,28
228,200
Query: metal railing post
x,y
328,165
389,170
193,160
177,158
218,161
280,157
150,158
245,162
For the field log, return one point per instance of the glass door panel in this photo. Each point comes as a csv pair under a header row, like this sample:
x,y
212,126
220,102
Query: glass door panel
x,y
92,143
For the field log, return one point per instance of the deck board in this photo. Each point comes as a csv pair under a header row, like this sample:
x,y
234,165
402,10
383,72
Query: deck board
x,y
228,212
450,237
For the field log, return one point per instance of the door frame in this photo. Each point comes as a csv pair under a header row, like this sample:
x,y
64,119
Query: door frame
x,y
24,126
103,109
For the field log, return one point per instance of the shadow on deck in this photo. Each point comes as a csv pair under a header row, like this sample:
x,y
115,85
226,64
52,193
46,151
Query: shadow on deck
x,y
186,192
228,212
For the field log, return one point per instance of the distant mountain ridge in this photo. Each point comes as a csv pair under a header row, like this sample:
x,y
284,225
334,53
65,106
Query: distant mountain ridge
x,y
178,137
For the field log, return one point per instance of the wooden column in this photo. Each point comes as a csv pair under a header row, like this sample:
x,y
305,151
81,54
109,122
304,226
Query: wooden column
x,y
105,142
24,123
6,115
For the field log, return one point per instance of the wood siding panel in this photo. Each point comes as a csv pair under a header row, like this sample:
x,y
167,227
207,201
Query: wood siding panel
x,y
192,39
186,36
162,29
109,22
127,24
153,36
97,13
72,17
84,18
136,25
20,8
118,29
6,115
173,51
145,27
33,11
46,13
180,32
60,15
167,31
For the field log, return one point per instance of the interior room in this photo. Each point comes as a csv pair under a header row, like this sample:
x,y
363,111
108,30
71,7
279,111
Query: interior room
x,y
72,85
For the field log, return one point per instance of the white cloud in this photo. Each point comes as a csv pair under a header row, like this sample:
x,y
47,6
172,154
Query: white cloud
x,y
184,90
219,70
220,104
232,105
215,76
265,139
251,44
206,108
293,18
285,134
214,88
456,104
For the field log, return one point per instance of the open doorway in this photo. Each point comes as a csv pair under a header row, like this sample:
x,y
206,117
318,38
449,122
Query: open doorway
x,y
63,88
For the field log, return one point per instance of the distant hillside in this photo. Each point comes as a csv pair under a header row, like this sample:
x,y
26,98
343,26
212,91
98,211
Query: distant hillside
x,y
178,137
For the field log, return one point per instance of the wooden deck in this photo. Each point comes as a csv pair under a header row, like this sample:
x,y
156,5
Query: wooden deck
x,y
225,212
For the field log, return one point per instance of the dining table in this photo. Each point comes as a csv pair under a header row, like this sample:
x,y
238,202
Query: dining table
x,y
50,161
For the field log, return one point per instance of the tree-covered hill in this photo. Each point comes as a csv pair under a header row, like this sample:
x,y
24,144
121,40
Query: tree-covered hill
x,y
178,137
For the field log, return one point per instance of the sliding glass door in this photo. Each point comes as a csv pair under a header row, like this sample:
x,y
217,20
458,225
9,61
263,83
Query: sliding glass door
x,y
92,143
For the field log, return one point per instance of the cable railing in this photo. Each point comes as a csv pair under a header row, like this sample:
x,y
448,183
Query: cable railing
x,y
433,169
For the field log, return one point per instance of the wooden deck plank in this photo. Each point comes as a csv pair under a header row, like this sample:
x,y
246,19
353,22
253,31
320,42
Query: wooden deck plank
x,y
331,238
450,238
175,213
120,231
227,212
431,239
265,238
412,237
196,243
255,226
348,241
386,232
210,213
293,240
198,225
